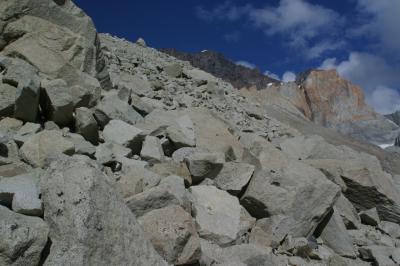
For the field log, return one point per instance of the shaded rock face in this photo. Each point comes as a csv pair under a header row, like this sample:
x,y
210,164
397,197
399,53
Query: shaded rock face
x,y
395,117
221,67
78,203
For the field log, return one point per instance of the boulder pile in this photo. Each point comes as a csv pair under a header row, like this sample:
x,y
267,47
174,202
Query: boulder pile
x,y
112,153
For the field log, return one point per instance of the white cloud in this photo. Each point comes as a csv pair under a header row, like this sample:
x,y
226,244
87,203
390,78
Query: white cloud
x,y
246,64
271,75
288,76
382,21
374,74
311,28
384,100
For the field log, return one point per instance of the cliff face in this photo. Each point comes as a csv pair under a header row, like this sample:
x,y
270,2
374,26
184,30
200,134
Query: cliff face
x,y
395,117
219,66
333,100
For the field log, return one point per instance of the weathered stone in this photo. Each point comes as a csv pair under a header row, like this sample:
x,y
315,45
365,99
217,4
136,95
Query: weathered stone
x,y
22,238
12,168
234,176
217,214
86,125
110,153
348,213
21,193
51,36
25,78
392,229
132,179
7,99
335,236
79,203
381,255
50,125
370,217
172,168
173,234
238,255
44,144
183,134
56,102
173,70
290,188
82,146
25,132
124,134
152,149
204,165
271,231
112,108
9,124
170,191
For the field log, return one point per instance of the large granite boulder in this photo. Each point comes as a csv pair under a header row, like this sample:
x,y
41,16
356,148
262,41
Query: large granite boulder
x,y
89,222
22,238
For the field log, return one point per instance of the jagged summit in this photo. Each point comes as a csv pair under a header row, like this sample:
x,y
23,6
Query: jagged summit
x,y
218,65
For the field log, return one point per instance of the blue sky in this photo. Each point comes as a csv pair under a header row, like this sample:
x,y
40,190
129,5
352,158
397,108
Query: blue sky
x,y
360,38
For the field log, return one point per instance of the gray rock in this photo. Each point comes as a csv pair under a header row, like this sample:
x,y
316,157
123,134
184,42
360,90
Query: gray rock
x,y
370,217
86,125
170,191
25,132
217,214
172,168
78,211
204,165
124,134
271,231
112,108
25,78
56,102
110,153
9,124
134,178
22,238
348,213
381,255
335,236
234,176
82,146
238,255
173,70
152,149
22,194
172,232
182,135
141,42
392,229
50,125
182,153
44,144
7,99
287,187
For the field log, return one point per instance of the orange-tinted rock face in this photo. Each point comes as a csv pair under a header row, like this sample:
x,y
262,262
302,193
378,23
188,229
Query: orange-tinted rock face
x,y
333,100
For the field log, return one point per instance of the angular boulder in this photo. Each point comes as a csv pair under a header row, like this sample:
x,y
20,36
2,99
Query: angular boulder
x,y
217,214
22,238
22,194
56,102
281,186
173,234
79,203
234,176
152,150
86,125
170,191
124,134
44,144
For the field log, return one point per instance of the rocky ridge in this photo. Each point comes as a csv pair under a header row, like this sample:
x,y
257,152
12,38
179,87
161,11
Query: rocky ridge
x,y
132,157
320,95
